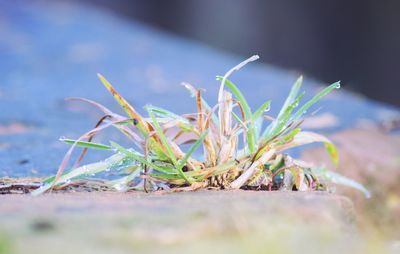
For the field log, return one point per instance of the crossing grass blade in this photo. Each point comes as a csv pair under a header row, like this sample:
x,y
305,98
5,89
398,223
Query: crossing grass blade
x,y
166,145
282,120
140,158
162,137
182,122
192,149
315,99
286,110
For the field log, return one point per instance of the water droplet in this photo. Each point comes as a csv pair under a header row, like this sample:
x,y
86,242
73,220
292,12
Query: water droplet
x,y
337,85
120,187
62,138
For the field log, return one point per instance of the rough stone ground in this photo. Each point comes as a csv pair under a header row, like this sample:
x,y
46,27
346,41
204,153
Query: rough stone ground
x,y
196,222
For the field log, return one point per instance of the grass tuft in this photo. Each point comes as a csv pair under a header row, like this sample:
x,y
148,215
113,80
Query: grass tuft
x,y
159,161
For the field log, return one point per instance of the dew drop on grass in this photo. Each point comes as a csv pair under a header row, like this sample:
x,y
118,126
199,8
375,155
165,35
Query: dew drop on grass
x,y
120,187
62,138
337,86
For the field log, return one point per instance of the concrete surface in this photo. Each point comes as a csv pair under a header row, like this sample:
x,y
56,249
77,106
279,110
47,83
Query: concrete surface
x,y
196,222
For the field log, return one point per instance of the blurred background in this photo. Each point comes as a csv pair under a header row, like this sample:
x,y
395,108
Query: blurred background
x,y
51,49
355,41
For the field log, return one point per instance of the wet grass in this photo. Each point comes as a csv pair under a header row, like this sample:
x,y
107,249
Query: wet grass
x,y
241,148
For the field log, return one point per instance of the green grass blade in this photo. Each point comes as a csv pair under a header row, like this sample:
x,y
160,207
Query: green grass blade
x,y
316,98
251,133
183,123
237,118
285,111
288,137
126,122
85,170
166,145
239,96
280,123
164,113
162,137
86,144
257,118
333,152
192,149
260,111
139,158
174,176
292,95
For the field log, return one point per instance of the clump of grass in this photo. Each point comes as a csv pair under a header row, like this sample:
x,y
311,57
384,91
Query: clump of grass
x,y
157,160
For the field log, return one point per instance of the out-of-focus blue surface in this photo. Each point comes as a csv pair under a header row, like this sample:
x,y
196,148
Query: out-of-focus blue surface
x,y
50,51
